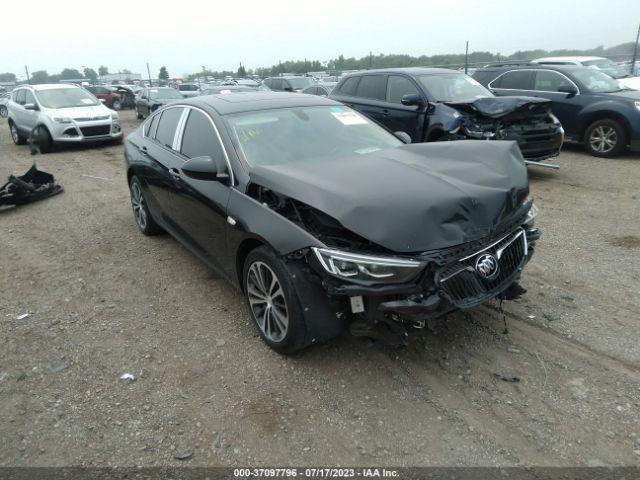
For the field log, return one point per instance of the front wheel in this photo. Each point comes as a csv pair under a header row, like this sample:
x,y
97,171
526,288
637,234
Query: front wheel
x,y
4,113
116,105
45,143
273,303
138,114
605,138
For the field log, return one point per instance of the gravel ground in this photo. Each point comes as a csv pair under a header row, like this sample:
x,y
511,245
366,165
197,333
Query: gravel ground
x,y
104,300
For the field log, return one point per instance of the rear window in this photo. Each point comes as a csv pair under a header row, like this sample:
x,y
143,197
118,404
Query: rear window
x,y
349,86
373,87
167,126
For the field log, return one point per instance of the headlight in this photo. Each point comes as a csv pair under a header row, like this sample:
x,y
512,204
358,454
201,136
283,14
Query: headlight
x,y
115,116
367,268
554,119
637,104
60,119
532,213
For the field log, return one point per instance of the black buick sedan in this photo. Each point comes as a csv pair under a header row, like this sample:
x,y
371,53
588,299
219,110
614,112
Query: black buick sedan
x,y
327,221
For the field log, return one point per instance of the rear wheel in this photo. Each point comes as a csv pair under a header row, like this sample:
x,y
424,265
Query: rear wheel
x,y
144,220
3,111
138,114
273,303
16,136
116,105
605,138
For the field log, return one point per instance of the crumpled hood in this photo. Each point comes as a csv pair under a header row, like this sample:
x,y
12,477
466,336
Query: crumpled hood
x,y
496,107
412,198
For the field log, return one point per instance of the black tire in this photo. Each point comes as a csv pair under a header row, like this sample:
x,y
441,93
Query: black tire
x,y
141,213
17,137
138,114
116,105
4,113
605,138
294,338
45,143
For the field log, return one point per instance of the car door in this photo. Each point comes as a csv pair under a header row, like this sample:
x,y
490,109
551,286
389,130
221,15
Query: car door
x,y
567,107
164,159
200,206
409,119
18,110
371,96
30,116
143,102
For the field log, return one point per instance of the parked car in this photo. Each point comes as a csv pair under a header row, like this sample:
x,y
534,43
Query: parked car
x,y
435,104
150,99
619,72
127,95
324,219
322,89
110,98
592,107
244,82
288,84
189,89
60,113
226,89
4,99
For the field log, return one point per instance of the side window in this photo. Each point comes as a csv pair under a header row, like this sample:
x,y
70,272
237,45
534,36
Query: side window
x,y
548,81
19,97
199,139
349,86
398,87
150,130
28,97
144,94
167,126
373,86
514,80
276,84
268,82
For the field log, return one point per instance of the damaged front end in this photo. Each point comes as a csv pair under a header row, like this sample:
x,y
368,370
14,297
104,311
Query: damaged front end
x,y
386,296
525,120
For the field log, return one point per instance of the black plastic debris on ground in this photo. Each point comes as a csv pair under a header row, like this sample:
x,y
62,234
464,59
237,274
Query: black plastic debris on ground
x,y
32,186
506,378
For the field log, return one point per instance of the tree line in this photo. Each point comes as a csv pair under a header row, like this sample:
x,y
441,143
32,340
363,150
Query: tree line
x,y
341,63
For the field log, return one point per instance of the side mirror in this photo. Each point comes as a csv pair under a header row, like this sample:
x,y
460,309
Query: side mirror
x,y
411,99
204,168
568,89
288,89
30,106
403,136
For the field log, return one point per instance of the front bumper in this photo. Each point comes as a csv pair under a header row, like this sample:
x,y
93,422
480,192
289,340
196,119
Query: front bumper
x,y
79,131
451,281
537,144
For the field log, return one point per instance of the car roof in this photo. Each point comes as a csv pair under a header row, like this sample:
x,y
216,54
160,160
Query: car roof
x,y
566,59
407,71
290,76
529,66
50,86
252,101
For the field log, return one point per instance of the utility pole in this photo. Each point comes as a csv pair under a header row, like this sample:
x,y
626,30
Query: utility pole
x,y
466,58
27,72
635,52
149,73
370,59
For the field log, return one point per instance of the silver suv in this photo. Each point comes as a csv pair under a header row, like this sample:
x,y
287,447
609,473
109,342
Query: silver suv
x,y
60,113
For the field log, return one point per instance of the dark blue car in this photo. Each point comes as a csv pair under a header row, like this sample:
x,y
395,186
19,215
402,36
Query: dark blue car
x,y
435,104
592,107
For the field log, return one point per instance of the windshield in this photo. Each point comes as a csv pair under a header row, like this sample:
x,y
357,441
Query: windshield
x,y
608,67
164,93
66,98
596,81
288,135
299,83
454,87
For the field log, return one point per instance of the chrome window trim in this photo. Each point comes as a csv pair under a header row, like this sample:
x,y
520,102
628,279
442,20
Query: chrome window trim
x,y
215,129
177,139
528,89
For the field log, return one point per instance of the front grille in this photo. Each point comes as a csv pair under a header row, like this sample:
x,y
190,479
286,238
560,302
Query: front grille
x,y
91,119
96,130
463,286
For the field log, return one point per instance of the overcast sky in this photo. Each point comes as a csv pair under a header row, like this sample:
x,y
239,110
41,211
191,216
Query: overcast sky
x,y
186,35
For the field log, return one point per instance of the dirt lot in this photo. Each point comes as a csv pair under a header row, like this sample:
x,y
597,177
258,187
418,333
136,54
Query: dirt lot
x,y
104,300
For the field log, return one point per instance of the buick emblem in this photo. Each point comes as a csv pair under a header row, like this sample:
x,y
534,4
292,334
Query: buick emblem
x,y
487,266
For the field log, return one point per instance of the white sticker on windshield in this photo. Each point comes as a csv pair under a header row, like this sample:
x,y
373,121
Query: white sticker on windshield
x,y
225,91
87,101
472,81
349,118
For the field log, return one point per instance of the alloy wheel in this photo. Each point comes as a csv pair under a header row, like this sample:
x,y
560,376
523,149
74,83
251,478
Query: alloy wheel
x,y
139,208
3,111
267,301
603,139
14,133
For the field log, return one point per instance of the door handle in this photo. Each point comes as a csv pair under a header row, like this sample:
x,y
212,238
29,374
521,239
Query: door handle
x,y
143,149
385,112
174,173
